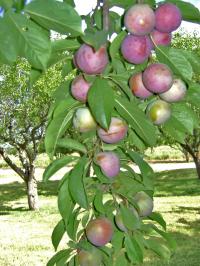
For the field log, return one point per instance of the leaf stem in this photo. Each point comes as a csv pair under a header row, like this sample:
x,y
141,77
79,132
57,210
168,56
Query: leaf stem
x,y
106,21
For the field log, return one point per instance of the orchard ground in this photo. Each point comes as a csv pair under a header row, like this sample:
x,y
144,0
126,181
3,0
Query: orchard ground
x,y
25,236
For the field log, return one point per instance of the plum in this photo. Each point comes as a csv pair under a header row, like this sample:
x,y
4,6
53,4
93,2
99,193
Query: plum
x,y
157,78
145,203
176,93
161,38
116,132
83,120
159,112
89,258
99,231
136,49
168,17
137,86
109,163
91,61
80,88
139,19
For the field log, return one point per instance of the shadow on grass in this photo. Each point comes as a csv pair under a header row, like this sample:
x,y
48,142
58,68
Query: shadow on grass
x,y
183,182
16,191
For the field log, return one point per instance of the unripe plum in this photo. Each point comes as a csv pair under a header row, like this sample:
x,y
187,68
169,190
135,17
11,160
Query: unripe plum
x,y
99,231
89,258
139,19
91,61
109,163
145,203
168,17
157,78
137,86
116,132
136,49
175,93
161,38
159,112
80,88
83,120
119,220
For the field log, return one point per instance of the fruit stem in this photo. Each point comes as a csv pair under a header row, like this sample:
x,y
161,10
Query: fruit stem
x,y
140,1
106,15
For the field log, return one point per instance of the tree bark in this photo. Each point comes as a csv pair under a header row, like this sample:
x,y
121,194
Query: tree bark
x,y
197,164
32,191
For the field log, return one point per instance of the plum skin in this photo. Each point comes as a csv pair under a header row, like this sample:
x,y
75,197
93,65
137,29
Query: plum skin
x,y
89,258
109,163
116,132
136,49
145,203
80,88
159,112
83,120
176,93
90,61
139,19
99,231
168,17
157,78
161,38
137,86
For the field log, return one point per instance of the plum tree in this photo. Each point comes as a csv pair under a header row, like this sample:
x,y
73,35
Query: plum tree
x,y
116,132
176,93
161,38
137,86
139,19
99,231
145,203
168,17
83,120
119,221
136,49
91,61
159,112
89,258
157,78
79,88
109,163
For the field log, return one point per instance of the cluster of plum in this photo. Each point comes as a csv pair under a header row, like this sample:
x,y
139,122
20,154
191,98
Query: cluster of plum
x,y
147,28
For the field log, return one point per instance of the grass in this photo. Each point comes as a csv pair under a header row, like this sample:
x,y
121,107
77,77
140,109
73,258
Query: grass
x,y
164,152
25,236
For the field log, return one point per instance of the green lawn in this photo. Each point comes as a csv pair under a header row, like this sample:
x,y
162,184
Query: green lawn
x,y
25,236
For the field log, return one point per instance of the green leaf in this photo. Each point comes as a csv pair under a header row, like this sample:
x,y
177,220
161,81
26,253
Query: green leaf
x,y
122,3
6,4
54,15
35,74
117,241
194,60
117,79
65,203
133,249
129,219
71,144
98,202
76,184
60,255
155,216
193,94
116,44
101,102
58,233
188,10
65,45
137,120
157,247
167,236
57,165
73,223
176,60
95,38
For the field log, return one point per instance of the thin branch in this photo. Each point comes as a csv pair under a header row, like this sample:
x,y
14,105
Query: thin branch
x,y
106,22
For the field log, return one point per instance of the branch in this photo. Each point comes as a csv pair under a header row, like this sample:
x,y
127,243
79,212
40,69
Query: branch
x,y
106,21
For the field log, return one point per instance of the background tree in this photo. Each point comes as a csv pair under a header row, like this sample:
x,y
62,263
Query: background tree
x,y
23,117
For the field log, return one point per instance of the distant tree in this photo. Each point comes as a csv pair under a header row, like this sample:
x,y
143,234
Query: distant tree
x,y
23,116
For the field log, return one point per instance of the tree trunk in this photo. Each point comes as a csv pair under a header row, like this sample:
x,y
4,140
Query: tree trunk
x,y
197,164
32,192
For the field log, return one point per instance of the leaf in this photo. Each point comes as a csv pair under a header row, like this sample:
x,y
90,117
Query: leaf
x,y
116,44
155,216
98,202
95,38
129,219
188,10
71,144
167,236
122,85
101,102
122,3
54,15
35,74
65,203
73,223
64,45
58,256
193,94
57,165
76,185
160,249
134,252
6,4
137,119
176,60
58,233
194,60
